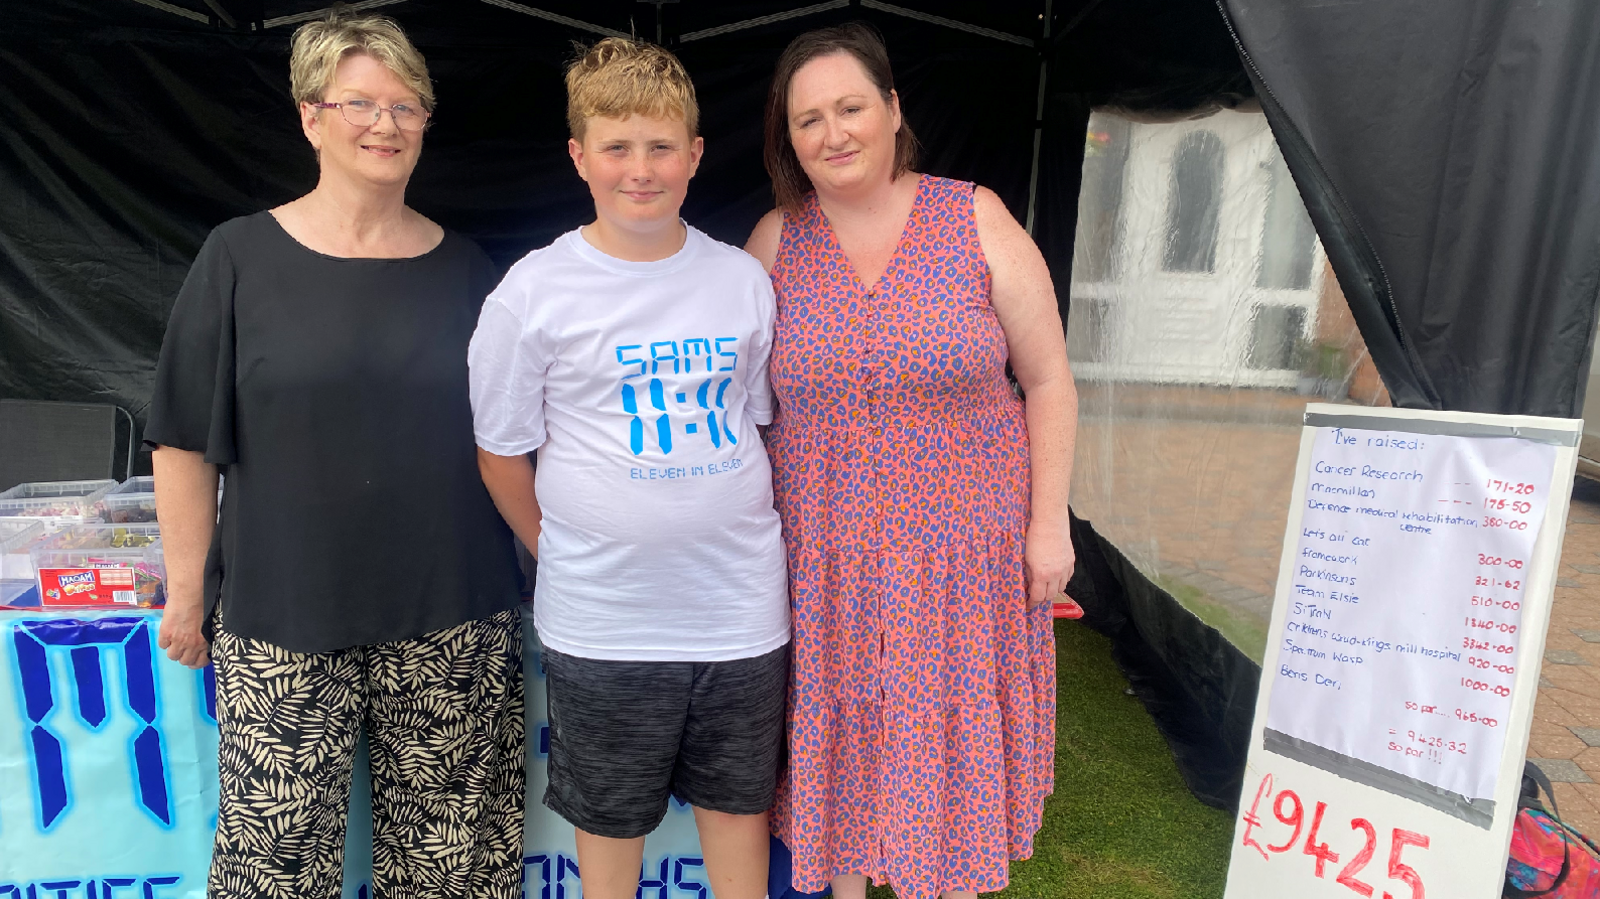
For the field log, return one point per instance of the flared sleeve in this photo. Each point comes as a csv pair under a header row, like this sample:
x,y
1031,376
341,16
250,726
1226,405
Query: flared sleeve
x,y
192,407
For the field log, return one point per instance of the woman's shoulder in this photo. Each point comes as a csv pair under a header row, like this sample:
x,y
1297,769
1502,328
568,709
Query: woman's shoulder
x,y
991,214
234,240
946,187
454,243
764,240
242,229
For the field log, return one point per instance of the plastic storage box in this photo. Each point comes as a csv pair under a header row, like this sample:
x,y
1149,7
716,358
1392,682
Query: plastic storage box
x,y
17,536
136,547
133,501
54,499
22,594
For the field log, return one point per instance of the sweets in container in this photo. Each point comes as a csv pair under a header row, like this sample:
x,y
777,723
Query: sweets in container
x,y
101,564
134,501
54,499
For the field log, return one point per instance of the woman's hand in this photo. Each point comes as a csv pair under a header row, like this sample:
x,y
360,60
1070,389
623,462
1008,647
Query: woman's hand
x,y
1048,560
180,634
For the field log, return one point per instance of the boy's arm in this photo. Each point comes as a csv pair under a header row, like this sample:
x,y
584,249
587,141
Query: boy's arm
x,y
510,483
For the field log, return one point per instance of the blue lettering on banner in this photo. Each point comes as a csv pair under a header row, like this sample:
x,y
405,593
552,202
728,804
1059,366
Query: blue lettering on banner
x,y
563,866
110,887
692,886
660,884
543,861
208,693
30,642
548,876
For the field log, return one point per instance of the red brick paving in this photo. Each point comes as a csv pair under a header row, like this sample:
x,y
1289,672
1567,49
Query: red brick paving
x,y
1569,695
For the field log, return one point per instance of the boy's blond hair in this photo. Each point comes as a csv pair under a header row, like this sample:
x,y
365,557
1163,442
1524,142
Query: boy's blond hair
x,y
319,46
619,77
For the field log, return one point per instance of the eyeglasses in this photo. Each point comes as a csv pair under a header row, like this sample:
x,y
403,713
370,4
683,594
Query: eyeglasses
x,y
365,114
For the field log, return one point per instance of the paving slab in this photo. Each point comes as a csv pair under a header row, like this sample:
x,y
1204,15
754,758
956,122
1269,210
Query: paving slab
x,y
1564,771
1589,761
1564,657
1589,735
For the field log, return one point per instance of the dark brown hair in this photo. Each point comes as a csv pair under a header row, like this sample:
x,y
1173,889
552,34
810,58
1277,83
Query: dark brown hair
x,y
860,40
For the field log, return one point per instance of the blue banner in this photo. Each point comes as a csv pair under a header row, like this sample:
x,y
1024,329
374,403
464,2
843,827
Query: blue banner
x,y
108,774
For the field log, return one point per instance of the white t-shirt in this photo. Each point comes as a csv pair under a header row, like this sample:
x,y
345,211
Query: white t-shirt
x,y
641,385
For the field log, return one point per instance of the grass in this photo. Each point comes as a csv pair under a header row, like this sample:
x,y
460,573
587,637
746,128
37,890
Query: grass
x,y
1243,631
1121,824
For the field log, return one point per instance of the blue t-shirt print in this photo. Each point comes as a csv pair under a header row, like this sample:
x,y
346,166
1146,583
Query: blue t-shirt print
x,y
700,408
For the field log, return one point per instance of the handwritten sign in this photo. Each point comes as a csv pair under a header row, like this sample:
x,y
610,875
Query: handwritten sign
x,y
1290,812
1403,654
1401,637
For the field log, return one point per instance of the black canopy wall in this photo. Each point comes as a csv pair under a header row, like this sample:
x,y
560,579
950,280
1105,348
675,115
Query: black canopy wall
x,y
1446,152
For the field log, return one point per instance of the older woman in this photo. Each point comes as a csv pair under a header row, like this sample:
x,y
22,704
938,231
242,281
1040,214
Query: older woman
x,y
360,577
924,504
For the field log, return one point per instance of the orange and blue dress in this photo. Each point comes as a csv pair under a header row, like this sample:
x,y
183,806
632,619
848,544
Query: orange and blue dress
x,y
922,707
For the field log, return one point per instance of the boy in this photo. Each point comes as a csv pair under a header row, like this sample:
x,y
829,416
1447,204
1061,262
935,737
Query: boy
x,y
632,354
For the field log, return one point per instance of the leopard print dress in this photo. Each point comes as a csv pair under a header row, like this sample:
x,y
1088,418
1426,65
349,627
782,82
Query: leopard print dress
x,y
922,711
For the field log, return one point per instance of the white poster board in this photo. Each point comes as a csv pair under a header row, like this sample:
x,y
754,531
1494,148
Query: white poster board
x,y
1403,655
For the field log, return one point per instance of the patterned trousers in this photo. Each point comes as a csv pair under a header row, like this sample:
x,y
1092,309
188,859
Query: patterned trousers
x,y
443,715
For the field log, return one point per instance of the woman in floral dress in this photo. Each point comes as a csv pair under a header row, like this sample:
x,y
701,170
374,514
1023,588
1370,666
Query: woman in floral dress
x,y
924,504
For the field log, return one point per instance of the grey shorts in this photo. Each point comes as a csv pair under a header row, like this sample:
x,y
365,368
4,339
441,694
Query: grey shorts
x,y
624,736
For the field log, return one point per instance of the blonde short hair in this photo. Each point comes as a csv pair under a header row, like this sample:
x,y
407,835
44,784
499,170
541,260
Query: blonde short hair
x,y
319,46
618,77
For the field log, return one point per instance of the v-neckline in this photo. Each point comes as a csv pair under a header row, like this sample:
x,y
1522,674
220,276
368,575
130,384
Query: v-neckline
x,y
916,200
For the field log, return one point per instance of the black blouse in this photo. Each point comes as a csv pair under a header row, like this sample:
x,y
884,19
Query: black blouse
x,y
333,394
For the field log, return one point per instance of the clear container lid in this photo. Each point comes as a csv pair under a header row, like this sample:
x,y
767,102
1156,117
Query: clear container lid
x,y
17,537
133,501
141,484
17,533
54,499
17,592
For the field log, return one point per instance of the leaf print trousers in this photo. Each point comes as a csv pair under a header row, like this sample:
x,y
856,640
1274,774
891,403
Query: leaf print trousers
x,y
443,714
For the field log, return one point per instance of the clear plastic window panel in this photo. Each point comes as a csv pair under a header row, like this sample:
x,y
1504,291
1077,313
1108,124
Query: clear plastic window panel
x,y
1204,318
